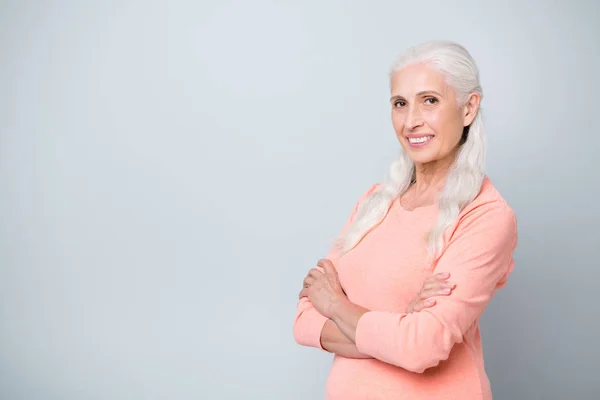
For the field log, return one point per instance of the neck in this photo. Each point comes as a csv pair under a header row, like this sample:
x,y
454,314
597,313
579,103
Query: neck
x,y
431,176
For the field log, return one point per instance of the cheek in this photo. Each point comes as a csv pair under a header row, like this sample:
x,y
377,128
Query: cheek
x,y
435,120
397,122
445,125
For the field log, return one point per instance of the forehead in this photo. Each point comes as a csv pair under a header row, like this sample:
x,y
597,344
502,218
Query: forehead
x,y
416,78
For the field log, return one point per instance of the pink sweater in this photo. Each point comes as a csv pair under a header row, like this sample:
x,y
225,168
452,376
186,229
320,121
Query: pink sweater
x,y
435,353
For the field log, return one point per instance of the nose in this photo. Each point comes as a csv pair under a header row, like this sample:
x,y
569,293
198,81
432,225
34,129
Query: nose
x,y
414,118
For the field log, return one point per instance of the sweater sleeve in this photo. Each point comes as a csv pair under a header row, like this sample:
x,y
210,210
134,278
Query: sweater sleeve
x,y
309,323
479,257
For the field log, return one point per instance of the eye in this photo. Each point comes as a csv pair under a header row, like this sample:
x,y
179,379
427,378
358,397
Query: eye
x,y
399,103
431,100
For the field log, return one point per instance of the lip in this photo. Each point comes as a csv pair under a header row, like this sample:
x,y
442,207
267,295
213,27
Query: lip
x,y
418,145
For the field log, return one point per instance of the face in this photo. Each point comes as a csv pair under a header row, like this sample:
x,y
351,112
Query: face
x,y
426,117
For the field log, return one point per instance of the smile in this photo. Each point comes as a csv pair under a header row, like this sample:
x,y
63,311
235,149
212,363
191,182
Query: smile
x,y
419,141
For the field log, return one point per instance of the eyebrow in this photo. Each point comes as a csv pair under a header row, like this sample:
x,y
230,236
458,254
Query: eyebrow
x,y
396,97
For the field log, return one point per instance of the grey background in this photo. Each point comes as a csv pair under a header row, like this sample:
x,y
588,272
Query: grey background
x,y
169,172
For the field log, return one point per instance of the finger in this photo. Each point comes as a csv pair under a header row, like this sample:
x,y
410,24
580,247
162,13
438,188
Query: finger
x,y
437,291
303,293
437,278
315,272
421,305
438,285
327,266
443,286
433,293
442,275
325,263
308,281
431,285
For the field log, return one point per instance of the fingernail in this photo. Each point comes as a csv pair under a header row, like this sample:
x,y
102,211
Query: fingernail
x,y
446,290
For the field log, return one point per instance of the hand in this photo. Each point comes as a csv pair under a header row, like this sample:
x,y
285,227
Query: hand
x,y
323,289
436,285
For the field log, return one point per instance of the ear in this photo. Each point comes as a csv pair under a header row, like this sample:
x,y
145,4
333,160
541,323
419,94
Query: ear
x,y
470,108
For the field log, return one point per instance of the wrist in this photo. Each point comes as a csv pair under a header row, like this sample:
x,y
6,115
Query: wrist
x,y
345,310
346,317
340,308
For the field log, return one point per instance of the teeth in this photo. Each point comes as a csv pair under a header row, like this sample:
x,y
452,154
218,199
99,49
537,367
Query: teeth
x,y
420,140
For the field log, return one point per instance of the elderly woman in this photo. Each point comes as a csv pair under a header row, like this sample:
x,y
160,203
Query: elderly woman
x,y
399,298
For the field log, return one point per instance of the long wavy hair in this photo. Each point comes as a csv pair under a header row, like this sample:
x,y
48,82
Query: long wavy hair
x,y
466,174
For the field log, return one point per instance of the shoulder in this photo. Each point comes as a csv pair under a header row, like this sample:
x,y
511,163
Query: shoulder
x,y
489,211
367,193
373,188
363,200
488,201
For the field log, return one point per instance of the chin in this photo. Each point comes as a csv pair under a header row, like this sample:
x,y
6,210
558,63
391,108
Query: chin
x,y
421,157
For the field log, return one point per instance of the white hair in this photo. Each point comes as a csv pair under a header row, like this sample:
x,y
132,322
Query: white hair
x,y
465,176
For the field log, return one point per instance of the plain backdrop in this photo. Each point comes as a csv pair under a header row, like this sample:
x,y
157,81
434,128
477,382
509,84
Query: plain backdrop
x,y
169,172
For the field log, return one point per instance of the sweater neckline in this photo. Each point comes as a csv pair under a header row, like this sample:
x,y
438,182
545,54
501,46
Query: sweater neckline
x,y
416,210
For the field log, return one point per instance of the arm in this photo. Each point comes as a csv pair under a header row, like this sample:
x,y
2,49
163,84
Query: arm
x,y
334,341
479,257
313,329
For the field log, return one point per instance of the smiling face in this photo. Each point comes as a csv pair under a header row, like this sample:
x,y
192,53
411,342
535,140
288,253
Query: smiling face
x,y
426,117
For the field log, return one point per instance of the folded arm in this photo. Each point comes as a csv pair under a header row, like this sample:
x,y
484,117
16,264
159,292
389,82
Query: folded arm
x,y
479,258
313,329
